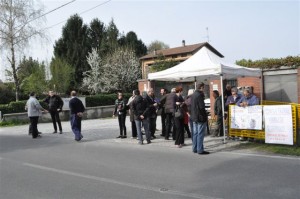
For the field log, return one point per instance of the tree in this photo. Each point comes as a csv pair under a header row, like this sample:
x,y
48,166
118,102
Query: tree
x,y
157,45
62,74
131,40
97,35
92,78
19,22
118,71
74,46
36,81
112,35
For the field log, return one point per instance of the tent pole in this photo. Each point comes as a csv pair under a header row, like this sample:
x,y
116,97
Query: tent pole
x,y
195,82
261,87
223,114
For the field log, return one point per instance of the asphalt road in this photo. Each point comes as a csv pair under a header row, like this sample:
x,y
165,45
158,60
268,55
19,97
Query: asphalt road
x,y
101,166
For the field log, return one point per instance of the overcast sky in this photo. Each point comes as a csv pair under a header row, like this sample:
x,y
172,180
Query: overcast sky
x,y
238,29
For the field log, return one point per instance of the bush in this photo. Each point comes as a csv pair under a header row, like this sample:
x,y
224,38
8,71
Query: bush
x,y
91,101
103,99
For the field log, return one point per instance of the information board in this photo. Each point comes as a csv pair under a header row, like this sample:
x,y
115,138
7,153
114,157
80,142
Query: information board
x,y
246,117
278,124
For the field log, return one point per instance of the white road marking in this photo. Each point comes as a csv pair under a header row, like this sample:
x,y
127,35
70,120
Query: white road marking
x,y
132,185
264,156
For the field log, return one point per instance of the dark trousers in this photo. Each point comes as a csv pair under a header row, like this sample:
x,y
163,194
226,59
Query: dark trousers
x,y
163,123
169,126
55,118
122,126
187,129
33,126
152,125
133,129
220,125
76,126
179,125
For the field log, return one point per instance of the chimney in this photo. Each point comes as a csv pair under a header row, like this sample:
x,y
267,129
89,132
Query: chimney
x,y
183,43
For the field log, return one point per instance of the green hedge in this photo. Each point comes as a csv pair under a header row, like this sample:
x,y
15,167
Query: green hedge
x,y
103,99
91,101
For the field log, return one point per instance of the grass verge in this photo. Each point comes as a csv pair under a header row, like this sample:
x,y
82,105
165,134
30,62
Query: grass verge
x,y
11,123
272,148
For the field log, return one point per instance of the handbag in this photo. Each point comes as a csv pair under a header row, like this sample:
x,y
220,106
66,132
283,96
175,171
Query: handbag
x,y
178,112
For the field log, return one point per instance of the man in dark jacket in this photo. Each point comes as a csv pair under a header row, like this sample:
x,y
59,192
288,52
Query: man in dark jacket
x,y
218,113
55,105
76,108
121,111
170,107
152,112
140,109
199,118
163,93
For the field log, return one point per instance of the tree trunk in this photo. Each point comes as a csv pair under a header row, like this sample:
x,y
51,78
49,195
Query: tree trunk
x,y
14,70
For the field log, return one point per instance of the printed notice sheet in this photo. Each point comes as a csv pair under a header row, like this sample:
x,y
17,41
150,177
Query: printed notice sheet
x,y
246,118
278,124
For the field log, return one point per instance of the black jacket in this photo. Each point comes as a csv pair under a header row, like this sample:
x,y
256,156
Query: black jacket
x,y
140,107
76,105
198,112
54,103
152,108
218,106
120,107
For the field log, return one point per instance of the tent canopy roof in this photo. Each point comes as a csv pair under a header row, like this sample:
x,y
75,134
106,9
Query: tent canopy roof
x,y
203,65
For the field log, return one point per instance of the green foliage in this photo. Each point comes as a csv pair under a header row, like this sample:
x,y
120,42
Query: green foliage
x,y
289,61
162,64
103,99
157,45
62,74
17,107
6,94
131,40
73,47
36,81
11,123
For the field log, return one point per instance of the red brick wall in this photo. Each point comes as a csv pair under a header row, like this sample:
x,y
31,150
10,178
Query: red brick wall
x,y
255,82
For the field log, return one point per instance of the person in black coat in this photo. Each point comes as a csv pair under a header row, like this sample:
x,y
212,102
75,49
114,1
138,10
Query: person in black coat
x,y
76,109
199,118
170,106
152,112
140,109
218,113
163,93
121,111
55,105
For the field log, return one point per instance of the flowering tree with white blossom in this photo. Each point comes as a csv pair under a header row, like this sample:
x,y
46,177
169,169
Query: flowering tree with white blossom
x,y
120,70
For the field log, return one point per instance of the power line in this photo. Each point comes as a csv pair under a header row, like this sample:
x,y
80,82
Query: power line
x,y
44,15
79,14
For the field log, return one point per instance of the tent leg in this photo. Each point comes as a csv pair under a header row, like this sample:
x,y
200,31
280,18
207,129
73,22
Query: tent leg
x,y
223,113
195,82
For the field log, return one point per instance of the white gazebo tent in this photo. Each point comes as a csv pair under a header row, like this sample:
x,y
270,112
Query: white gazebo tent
x,y
204,65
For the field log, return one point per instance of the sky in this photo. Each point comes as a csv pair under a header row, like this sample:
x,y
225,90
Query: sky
x,y
237,29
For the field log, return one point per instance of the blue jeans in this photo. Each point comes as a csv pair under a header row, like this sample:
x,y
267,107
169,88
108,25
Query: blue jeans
x,y
138,124
191,127
198,136
76,126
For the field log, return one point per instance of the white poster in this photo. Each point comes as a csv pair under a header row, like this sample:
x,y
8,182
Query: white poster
x,y
278,124
246,118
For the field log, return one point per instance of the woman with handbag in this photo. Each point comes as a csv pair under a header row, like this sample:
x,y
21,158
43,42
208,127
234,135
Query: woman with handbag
x,y
179,118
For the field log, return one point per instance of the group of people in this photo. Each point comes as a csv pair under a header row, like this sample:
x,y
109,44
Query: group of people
x,y
55,104
176,115
231,97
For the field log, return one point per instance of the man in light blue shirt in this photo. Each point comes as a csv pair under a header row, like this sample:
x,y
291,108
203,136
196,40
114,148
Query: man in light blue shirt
x,y
248,99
